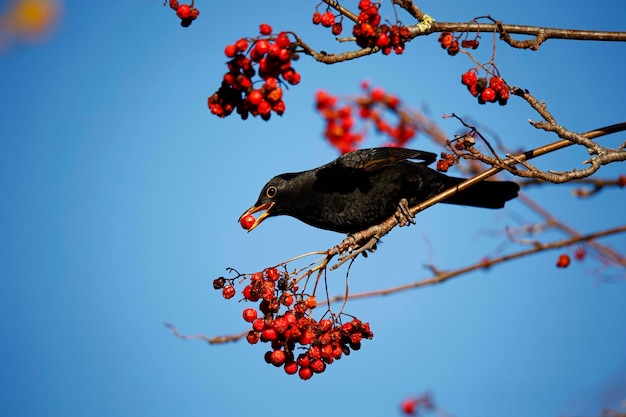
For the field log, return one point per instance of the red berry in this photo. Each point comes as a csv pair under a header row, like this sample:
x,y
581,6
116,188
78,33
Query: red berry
x,y
453,49
218,283
356,338
277,357
382,40
408,406
563,261
247,221
315,352
469,43
317,18
268,334
264,108
318,366
228,292
328,19
230,51
249,315
286,299
183,11
621,181
291,76
377,94
291,367
443,165
325,325
174,4
279,108
261,47
241,45
291,318
252,337
503,97
496,83
274,50
364,4
303,360
305,373
372,11
254,98
469,78
270,83
258,325
337,29
194,13
265,29
488,94
580,254
282,40
272,274
249,294
337,352
284,55
445,39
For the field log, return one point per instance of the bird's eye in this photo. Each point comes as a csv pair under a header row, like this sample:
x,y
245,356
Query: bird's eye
x,y
271,192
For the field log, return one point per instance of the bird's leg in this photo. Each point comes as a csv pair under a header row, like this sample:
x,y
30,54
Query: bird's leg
x,y
361,248
403,213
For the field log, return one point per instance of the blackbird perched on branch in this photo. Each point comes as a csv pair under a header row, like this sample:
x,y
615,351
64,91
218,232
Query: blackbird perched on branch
x,y
363,188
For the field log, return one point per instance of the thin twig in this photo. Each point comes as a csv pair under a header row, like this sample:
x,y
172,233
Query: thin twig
x,y
483,264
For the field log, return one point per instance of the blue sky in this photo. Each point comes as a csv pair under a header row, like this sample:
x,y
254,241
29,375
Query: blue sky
x,y
121,193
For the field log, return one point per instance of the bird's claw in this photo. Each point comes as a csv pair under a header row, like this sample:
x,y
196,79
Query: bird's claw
x,y
403,214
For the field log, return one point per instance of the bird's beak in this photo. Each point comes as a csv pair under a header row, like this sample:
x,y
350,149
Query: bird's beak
x,y
255,209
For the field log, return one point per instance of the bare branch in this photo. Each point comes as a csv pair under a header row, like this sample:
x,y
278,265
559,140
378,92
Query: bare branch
x,y
210,340
443,276
411,8
543,32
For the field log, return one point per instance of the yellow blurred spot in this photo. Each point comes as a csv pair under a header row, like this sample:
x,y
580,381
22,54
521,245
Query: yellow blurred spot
x,y
28,19
33,16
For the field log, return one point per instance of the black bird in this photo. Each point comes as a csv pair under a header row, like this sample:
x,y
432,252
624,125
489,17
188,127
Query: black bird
x,y
363,188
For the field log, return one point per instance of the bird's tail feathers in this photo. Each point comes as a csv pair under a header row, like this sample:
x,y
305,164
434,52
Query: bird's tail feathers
x,y
485,194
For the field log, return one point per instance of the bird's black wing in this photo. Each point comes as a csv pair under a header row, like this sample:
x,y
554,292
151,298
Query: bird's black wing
x,y
377,158
354,170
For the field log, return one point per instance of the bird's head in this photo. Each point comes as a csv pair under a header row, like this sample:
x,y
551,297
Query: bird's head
x,y
273,201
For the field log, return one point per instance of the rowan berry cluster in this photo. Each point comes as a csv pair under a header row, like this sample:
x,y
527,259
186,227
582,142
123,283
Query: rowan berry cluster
x,y
564,259
369,32
269,58
186,12
492,90
328,20
450,43
445,162
371,107
322,342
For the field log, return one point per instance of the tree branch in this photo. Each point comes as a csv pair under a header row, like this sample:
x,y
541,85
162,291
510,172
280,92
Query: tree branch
x,y
483,264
